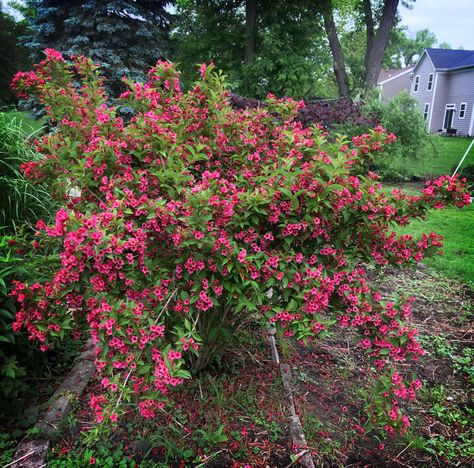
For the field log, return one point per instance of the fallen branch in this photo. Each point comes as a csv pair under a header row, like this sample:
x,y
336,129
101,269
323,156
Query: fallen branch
x,y
19,459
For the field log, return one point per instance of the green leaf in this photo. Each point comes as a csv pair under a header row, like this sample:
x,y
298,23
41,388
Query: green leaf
x,y
143,369
182,373
6,314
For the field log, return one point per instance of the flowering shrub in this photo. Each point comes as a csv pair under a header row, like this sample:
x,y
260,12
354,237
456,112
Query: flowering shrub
x,y
192,216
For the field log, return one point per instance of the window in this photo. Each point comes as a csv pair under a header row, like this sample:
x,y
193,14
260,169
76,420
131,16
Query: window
x,y
430,82
426,111
462,110
417,83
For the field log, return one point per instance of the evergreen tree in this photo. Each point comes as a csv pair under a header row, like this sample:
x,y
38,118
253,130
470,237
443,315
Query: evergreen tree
x,y
126,37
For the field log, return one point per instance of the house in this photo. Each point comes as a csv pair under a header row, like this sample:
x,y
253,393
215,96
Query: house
x,y
442,82
393,81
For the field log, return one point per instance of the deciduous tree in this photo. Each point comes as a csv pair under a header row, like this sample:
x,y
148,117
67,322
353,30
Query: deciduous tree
x,y
375,19
250,30
13,57
326,9
377,38
262,46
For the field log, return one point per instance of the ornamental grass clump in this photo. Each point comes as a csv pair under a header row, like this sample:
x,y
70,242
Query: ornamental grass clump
x,y
21,200
192,217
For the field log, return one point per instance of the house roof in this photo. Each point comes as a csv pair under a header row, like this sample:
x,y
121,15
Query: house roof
x,y
391,73
449,59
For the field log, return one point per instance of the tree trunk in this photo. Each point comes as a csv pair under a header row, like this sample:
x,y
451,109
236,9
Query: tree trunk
x,y
374,56
250,30
369,24
336,49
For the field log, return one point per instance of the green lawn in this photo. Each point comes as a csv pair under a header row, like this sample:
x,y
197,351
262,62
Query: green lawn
x,y
29,124
440,161
457,228
455,225
450,155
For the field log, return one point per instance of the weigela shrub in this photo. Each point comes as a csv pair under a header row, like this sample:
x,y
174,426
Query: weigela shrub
x,y
193,216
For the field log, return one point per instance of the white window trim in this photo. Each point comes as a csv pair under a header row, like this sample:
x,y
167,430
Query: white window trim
x,y
446,108
462,110
426,111
433,99
471,124
416,85
430,82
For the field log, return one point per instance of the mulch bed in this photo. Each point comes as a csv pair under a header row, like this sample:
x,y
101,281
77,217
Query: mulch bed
x,y
242,397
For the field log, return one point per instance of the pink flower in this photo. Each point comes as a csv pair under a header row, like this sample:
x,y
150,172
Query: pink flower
x,y
173,355
416,384
203,70
53,54
365,343
393,413
242,255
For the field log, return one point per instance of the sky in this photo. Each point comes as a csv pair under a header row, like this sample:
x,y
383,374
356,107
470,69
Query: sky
x,y
451,21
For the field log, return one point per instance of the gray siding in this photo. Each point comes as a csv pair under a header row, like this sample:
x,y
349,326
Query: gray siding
x,y
441,99
423,96
461,89
395,86
453,87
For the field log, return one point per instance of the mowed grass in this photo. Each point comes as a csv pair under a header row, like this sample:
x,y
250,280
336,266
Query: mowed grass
x,y
457,228
454,224
28,124
439,161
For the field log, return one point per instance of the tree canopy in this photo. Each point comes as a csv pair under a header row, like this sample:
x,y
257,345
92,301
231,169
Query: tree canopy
x,y
14,57
302,49
262,46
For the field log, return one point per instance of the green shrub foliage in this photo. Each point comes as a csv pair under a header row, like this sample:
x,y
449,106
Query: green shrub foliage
x,y
193,217
402,116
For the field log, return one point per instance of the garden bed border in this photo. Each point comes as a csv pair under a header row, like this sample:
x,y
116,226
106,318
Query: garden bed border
x,y
296,429
33,453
